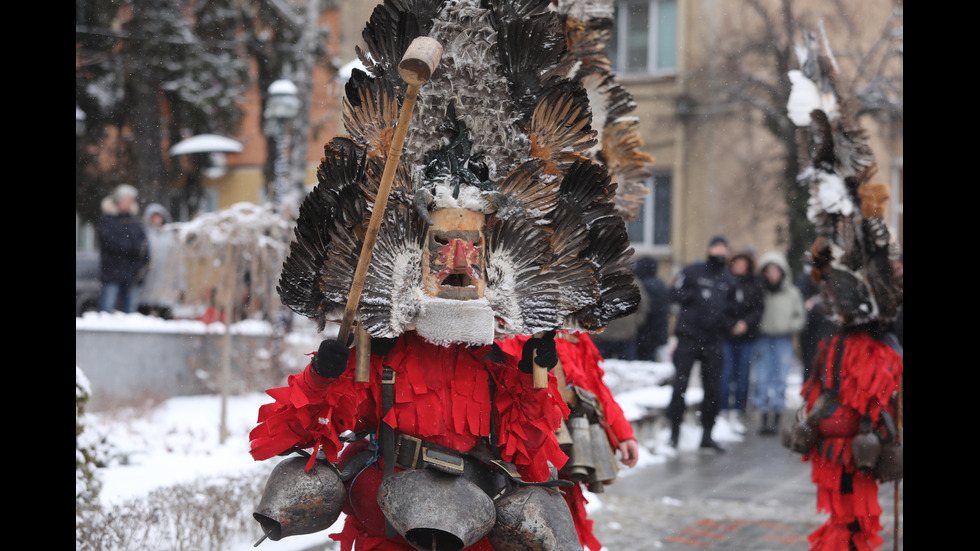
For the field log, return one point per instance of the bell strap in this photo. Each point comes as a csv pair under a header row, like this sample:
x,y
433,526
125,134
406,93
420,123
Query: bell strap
x,y
387,432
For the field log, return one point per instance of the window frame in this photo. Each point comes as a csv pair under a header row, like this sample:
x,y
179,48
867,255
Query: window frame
x,y
621,19
660,184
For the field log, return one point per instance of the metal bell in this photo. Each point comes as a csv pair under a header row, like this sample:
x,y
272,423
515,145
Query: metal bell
x,y
804,437
580,463
891,463
298,501
865,446
434,510
565,441
534,518
602,455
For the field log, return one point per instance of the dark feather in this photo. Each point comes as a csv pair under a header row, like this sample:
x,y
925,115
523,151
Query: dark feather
x,y
588,42
530,190
371,112
561,126
533,58
330,209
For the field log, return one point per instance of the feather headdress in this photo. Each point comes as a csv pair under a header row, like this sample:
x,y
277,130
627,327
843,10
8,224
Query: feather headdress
x,y
852,254
522,123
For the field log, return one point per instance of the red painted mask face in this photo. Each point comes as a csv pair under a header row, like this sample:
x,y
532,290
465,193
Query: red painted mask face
x,y
455,247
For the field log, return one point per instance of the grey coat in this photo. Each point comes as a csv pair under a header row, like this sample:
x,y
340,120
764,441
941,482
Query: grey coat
x,y
784,312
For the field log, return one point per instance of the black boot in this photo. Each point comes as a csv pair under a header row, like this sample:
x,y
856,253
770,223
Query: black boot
x,y
769,424
675,434
708,444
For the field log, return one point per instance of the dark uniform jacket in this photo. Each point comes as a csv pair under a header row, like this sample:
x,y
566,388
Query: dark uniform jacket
x,y
705,293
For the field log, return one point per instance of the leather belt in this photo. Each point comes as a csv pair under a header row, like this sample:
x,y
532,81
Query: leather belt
x,y
415,453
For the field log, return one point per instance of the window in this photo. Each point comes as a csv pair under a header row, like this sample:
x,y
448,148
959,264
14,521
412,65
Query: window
x,y
645,37
651,229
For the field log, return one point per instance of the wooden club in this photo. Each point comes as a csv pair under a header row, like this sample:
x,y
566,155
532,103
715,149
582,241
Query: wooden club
x,y
416,67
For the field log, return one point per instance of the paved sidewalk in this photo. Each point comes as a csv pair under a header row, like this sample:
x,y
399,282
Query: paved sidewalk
x,y
756,497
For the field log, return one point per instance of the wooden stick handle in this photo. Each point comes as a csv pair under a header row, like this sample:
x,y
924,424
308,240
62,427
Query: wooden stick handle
x,y
898,438
419,61
538,374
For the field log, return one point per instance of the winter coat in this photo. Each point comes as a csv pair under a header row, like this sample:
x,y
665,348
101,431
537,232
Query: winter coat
x,y
784,312
123,246
748,298
654,331
159,288
705,294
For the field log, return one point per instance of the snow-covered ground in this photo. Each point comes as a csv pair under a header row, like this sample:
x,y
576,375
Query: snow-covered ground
x,y
178,440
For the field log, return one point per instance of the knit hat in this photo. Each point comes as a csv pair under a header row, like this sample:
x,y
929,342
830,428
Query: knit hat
x,y
717,239
124,191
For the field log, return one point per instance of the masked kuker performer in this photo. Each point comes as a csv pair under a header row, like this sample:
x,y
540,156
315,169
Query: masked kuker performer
x,y
499,222
849,429
595,430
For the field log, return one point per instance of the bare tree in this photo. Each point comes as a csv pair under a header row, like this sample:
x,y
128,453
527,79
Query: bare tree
x,y
744,78
233,259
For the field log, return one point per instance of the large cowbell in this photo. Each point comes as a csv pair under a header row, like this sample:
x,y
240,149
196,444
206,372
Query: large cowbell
x,y
435,511
297,501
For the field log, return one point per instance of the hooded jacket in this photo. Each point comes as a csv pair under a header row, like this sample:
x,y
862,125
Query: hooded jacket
x,y
784,313
160,285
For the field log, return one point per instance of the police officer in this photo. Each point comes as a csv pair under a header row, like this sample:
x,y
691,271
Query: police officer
x,y
705,295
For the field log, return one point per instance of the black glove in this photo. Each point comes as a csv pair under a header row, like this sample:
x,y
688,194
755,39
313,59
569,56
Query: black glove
x,y
547,353
330,360
381,346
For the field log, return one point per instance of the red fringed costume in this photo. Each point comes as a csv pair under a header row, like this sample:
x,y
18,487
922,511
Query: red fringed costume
x,y
448,395
502,212
870,375
580,359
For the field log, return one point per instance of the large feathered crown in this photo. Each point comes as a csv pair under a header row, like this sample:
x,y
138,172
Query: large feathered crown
x,y
522,122
853,255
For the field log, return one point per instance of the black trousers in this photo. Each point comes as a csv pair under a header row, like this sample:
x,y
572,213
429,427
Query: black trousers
x,y
708,352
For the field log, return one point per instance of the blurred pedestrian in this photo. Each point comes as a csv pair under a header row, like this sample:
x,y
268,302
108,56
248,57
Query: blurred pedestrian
x,y
123,249
653,333
819,326
737,347
783,317
161,283
704,292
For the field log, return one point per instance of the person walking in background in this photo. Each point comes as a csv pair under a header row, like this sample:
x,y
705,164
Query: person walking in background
x,y
161,282
783,317
653,333
737,348
704,292
123,249
818,325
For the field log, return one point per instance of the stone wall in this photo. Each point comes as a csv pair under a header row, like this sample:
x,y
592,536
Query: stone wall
x,y
147,360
